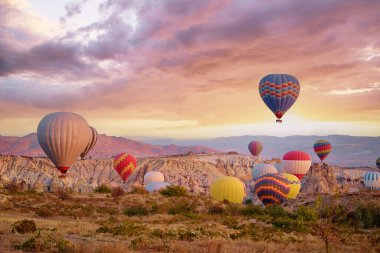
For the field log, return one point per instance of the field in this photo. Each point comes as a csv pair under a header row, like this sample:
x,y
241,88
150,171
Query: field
x,y
176,221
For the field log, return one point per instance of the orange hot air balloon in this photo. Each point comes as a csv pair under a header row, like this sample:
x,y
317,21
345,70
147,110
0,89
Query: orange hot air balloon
x,y
125,164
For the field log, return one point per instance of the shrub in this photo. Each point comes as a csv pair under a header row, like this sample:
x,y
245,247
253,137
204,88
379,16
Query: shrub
x,y
183,206
44,212
216,209
139,190
174,191
367,216
102,189
63,194
24,226
137,244
117,192
136,210
127,228
32,244
251,210
307,213
186,235
276,211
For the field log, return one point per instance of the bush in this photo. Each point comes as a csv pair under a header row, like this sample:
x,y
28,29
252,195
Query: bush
x,y
183,206
63,194
367,216
44,212
117,192
139,190
136,210
251,210
102,189
276,211
307,213
174,191
216,209
24,226
127,228
31,244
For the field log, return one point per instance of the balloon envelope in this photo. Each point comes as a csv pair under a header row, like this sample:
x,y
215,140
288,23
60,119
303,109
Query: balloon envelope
x,y
272,189
261,169
378,163
156,186
255,147
153,176
229,188
63,136
91,142
295,185
279,92
372,180
124,164
297,163
322,148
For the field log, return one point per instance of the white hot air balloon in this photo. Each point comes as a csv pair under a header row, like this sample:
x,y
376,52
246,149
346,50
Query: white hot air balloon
x,y
153,176
63,136
156,186
297,163
261,169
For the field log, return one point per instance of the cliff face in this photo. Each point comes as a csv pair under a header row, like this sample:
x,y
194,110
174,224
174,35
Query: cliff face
x,y
195,172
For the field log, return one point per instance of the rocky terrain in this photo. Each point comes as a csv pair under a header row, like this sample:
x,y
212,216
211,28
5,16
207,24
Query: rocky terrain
x,y
195,172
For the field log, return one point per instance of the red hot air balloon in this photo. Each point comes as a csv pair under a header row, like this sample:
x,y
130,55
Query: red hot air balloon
x,y
322,148
255,147
125,164
296,163
279,92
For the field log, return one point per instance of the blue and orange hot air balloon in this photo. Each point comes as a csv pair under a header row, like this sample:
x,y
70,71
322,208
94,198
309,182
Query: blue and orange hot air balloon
x,y
255,147
322,148
272,189
279,92
124,164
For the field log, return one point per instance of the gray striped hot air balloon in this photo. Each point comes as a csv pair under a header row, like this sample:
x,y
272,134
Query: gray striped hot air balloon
x,y
63,136
91,143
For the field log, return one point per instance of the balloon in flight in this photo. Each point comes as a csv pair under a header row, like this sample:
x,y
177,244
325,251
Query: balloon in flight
x,y
124,164
297,163
255,147
322,148
63,136
91,142
279,92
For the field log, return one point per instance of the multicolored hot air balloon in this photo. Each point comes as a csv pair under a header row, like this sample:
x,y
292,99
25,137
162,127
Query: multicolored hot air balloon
x,y
255,147
63,136
378,163
372,180
261,169
124,164
91,142
156,186
229,188
279,92
153,176
322,148
272,189
295,185
297,163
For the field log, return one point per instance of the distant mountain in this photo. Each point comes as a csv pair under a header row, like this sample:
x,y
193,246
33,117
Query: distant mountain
x,y
106,146
347,150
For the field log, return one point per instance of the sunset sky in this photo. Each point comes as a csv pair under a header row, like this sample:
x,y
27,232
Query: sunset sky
x,y
190,69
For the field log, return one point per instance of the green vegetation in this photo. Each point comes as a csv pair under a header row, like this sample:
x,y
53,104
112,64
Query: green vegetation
x,y
24,226
174,191
102,189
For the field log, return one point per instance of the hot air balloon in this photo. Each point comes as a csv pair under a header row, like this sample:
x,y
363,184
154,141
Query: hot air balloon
x,y
156,186
261,169
322,148
295,185
229,188
296,163
255,147
378,163
91,142
272,189
278,167
279,92
372,180
63,136
124,164
153,176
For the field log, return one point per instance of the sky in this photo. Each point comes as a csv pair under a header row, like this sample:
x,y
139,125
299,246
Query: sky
x,y
190,69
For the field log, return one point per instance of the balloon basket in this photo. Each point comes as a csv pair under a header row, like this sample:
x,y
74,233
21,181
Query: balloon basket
x,y
279,121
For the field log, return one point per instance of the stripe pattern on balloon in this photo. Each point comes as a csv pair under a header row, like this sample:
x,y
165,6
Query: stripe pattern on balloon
x,y
272,189
322,148
124,165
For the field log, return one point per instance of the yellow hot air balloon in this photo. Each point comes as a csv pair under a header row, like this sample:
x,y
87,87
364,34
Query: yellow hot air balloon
x,y
229,188
295,185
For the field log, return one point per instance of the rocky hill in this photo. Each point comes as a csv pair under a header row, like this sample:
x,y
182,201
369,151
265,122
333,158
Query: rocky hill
x,y
106,147
195,172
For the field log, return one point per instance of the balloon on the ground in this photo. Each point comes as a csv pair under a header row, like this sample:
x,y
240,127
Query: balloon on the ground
x,y
156,186
153,176
228,188
378,163
295,185
279,92
322,148
278,167
255,147
272,189
372,180
297,163
91,142
63,136
124,164
261,169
